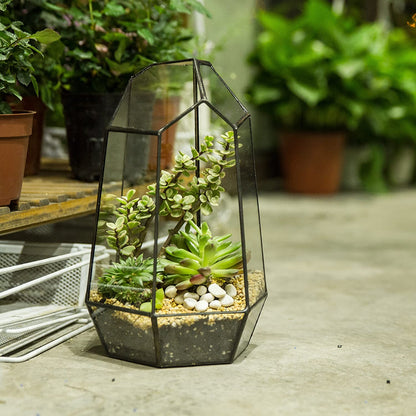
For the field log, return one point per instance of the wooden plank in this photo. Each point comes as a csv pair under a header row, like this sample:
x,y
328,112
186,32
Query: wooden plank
x,y
4,210
33,200
50,197
19,205
69,193
20,220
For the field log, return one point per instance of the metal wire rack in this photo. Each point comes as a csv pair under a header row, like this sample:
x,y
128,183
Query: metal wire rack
x,y
42,290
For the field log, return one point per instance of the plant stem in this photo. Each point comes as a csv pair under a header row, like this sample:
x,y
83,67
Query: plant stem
x,y
91,14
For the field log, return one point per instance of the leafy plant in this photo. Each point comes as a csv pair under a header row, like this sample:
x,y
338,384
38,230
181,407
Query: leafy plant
x,y
178,199
130,280
324,71
105,41
17,47
198,257
47,69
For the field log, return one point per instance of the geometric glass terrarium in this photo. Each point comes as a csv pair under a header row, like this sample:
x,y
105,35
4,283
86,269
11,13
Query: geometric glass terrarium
x,y
177,209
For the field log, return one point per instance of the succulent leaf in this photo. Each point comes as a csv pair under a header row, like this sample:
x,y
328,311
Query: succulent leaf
x,y
202,258
198,279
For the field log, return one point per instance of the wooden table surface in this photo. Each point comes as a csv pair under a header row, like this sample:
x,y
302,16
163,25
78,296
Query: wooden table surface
x,y
49,197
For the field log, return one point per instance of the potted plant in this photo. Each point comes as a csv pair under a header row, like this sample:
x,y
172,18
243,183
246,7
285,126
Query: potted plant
x,y
319,74
34,16
176,291
104,44
16,49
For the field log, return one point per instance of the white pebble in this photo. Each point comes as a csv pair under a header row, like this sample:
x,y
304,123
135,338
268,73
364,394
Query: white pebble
x,y
189,303
201,306
227,300
215,304
201,290
216,290
171,291
231,290
179,299
191,295
209,297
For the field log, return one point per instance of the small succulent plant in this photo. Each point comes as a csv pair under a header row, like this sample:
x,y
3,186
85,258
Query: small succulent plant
x,y
198,257
131,280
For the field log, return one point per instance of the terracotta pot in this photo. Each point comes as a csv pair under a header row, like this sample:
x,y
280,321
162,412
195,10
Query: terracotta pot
x,y
164,112
15,130
312,161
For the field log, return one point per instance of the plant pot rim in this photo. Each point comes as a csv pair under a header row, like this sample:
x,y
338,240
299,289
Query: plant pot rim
x,y
17,113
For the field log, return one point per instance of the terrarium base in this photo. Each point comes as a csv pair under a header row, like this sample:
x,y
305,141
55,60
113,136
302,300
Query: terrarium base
x,y
175,336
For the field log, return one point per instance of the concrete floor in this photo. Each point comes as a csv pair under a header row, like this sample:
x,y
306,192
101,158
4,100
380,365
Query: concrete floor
x,y
336,337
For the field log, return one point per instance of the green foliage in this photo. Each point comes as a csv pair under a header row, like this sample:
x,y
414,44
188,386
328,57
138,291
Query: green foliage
x,y
159,296
178,199
325,71
123,233
371,172
194,257
105,41
198,257
130,280
17,47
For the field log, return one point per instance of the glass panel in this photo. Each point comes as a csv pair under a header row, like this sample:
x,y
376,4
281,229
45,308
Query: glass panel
x,y
250,215
198,339
250,324
125,335
220,96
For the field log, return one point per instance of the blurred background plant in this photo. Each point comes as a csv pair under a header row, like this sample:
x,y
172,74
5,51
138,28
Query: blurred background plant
x,y
324,70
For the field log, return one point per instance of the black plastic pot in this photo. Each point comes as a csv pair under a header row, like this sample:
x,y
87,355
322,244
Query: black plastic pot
x,y
86,118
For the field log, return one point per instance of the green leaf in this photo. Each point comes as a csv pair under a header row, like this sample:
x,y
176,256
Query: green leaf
x,y
120,50
46,36
120,68
78,53
24,77
206,209
160,295
306,92
349,68
119,222
179,6
147,35
123,240
146,307
34,84
111,225
127,251
130,194
113,9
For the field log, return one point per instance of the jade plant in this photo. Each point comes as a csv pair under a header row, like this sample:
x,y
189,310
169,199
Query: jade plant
x,y
198,258
177,199
190,255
